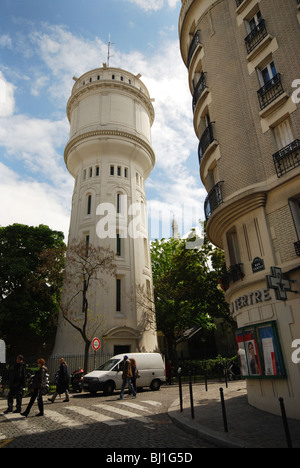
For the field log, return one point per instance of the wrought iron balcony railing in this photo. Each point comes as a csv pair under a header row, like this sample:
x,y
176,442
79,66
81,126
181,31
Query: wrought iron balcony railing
x,y
206,139
193,46
270,91
233,274
297,244
287,158
256,36
213,200
199,88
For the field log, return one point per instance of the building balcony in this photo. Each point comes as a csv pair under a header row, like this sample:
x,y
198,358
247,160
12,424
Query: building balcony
x,y
213,200
256,36
193,46
270,91
233,274
297,248
286,159
199,88
206,139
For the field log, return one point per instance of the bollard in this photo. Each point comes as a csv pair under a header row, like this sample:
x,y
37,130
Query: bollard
x,y
223,410
285,424
191,397
180,389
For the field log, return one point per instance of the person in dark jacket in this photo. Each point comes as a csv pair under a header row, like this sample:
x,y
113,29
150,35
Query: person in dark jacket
x,y
39,384
63,384
17,383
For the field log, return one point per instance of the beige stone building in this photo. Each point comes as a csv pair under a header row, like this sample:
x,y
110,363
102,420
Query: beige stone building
x,y
243,61
110,156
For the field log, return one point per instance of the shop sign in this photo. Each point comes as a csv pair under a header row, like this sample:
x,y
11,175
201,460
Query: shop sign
x,y
250,299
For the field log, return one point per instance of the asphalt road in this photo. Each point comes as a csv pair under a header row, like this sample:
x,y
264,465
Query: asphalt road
x,y
104,422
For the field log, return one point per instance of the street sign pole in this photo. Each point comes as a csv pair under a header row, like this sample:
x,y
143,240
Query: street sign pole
x,y
96,343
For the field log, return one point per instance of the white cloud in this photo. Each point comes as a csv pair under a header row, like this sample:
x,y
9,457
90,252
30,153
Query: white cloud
x,y
7,100
155,5
32,203
34,143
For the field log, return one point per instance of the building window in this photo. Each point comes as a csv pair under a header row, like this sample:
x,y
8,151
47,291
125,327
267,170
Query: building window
x,y
119,170
253,22
266,74
89,204
118,244
97,171
112,170
146,252
126,172
295,209
233,247
283,134
91,172
120,206
118,294
271,85
256,30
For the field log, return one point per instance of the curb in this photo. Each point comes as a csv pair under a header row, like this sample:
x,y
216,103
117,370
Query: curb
x,y
200,431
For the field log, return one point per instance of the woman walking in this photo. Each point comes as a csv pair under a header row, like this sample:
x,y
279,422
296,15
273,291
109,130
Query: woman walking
x,y
38,386
63,383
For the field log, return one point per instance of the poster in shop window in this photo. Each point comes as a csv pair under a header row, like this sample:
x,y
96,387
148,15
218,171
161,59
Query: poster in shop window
x,y
248,354
259,351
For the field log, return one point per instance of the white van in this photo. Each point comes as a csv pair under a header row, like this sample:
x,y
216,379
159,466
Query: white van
x,y
108,377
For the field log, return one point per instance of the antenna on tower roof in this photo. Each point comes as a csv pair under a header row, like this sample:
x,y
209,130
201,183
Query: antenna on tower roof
x,y
108,52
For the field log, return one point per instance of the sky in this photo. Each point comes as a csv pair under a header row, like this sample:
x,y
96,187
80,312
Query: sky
x,y
43,44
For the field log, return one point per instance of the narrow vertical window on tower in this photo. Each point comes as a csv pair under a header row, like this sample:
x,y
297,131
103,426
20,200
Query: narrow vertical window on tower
x,y
119,206
118,244
89,204
118,294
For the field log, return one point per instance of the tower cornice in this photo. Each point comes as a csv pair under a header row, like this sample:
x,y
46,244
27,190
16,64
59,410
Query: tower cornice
x,y
106,134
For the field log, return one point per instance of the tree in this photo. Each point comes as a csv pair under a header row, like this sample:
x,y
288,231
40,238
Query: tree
x,y
31,265
86,268
185,287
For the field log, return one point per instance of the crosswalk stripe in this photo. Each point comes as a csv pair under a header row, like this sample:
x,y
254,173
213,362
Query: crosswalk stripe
x,y
152,402
136,406
64,420
120,411
95,416
24,424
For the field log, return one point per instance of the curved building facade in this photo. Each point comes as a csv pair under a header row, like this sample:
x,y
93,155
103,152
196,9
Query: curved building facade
x,y
243,66
110,156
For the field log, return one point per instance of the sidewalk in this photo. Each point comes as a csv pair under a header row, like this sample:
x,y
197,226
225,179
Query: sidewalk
x,y
248,427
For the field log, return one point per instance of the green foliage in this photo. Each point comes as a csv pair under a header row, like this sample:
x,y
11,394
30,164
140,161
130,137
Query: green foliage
x,y
186,288
31,266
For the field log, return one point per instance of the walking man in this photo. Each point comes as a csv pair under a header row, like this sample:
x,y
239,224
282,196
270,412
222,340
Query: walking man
x,y
17,383
126,376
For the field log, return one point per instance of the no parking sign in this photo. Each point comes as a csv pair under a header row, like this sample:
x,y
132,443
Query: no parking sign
x,y
96,344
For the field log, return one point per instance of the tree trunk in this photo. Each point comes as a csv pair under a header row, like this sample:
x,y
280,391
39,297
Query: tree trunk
x,y
86,356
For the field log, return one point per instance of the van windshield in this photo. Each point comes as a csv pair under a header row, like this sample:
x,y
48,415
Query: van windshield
x,y
108,365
